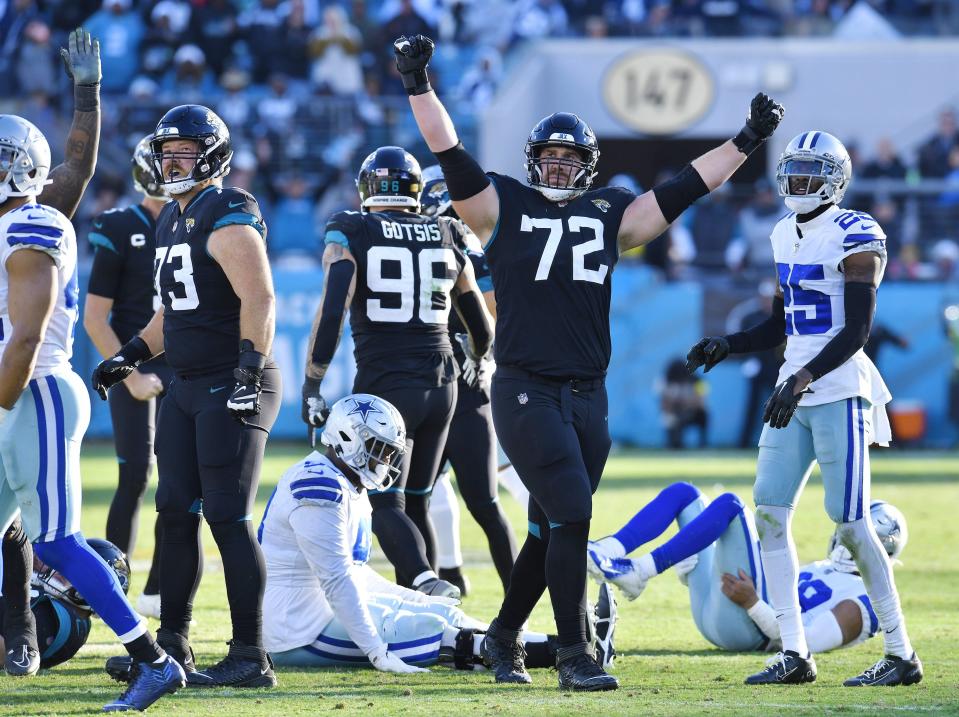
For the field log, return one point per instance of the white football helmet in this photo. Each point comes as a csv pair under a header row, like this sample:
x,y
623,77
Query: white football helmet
x,y
24,158
814,169
891,528
369,435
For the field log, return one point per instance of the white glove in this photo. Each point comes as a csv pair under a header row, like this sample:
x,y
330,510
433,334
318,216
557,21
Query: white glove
x,y
386,661
476,370
684,567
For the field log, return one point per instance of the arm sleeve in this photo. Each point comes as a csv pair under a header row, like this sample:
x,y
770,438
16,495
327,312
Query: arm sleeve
x,y
767,335
338,279
107,261
320,529
464,177
859,301
823,632
472,311
677,194
765,618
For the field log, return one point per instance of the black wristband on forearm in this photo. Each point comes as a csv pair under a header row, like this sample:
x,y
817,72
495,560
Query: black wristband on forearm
x,y
676,194
767,335
859,301
464,177
747,141
250,359
416,82
136,350
86,98
338,279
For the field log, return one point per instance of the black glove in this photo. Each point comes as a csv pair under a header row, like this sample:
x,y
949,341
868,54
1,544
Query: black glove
x,y
313,410
782,404
412,56
245,399
116,368
765,114
708,352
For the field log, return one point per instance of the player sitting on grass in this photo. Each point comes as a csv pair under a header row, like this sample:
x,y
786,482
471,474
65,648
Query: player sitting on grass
x,y
716,554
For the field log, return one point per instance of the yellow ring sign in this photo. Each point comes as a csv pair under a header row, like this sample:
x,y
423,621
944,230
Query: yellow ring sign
x,y
658,91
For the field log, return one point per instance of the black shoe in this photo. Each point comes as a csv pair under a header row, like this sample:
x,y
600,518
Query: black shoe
x,y
583,674
505,658
889,671
243,666
455,576
786,668
22,659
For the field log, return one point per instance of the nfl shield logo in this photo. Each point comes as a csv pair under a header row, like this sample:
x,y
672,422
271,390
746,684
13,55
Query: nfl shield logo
x,y
189,224
523,399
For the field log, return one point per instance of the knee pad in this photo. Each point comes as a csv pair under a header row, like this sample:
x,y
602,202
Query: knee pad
x,y
237,531
684,493
729,503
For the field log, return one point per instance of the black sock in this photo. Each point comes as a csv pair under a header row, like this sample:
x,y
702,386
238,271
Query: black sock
x,y
144,649
124,516
245,573
180,570
527,583
152,586
566,578
502,544
418,509
400,540
17,567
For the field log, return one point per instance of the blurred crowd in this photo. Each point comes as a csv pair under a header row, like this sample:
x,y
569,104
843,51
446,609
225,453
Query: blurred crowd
x,y
308,87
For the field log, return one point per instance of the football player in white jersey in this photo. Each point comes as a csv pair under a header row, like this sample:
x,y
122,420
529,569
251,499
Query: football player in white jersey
x,y
829,263
44,407
324,605
716,554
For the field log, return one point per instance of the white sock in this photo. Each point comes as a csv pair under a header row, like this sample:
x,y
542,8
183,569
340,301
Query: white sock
x,y
445,513
875,567
781,568
509,479
646,566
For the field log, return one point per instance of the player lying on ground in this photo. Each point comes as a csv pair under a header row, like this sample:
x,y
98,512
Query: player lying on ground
x,y
716,554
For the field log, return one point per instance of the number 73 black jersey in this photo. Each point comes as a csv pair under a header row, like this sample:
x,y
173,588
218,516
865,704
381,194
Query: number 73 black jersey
x,y
201,312
406,267
551,265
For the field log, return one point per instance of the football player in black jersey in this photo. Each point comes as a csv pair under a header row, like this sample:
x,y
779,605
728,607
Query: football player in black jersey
x,y
67,182
471,443
551,244
399,273
121,299
216,326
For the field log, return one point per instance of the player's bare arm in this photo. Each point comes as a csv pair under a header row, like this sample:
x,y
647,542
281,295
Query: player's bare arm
x,y
69,180
96,321
651,213
31,297
468,302
474,197
241,253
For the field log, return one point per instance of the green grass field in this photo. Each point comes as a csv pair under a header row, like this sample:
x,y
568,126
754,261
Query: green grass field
x,y
665,667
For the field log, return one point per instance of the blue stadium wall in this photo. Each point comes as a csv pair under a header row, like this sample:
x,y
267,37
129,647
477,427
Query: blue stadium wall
x,y
652,323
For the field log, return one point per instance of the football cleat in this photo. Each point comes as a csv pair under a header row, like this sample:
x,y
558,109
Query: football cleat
x,y
604,625
149,605
149,684
889,672
243,666
505,658
621,572
439,588
122,667
785,668
456,577
583,674
22,659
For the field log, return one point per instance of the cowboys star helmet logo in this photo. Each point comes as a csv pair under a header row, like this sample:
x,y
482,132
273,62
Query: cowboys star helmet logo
x,y
602,205
364,408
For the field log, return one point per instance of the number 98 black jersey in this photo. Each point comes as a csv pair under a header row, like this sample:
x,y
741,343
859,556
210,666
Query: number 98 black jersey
x,y
551,265
201,312
406,267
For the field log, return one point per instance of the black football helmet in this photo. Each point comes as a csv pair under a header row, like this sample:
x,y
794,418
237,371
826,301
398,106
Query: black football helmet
x,y
214,150
562,129
144,172
435,200
47,580
390,177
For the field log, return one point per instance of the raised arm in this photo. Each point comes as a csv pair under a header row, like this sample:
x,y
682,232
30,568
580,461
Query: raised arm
x,y
70,179
650,213
474,196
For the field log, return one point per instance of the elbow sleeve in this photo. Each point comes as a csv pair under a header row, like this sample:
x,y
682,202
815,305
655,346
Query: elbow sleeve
x,y
859,302
464,177
675,195
339,277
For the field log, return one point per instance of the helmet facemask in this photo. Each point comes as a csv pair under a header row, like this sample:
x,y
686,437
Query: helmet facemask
x,y
559,179
808,181
18,175
203,166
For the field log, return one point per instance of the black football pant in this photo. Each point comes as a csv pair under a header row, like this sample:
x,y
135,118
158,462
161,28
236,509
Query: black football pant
x,y
401,519
17,568
134,423
471,451
556,435
209,465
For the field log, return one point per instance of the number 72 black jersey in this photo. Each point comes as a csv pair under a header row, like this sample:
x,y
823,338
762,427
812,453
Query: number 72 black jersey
x,y
406,267
551,265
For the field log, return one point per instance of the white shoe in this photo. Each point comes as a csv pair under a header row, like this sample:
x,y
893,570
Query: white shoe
x,y
149,605
621,572
607,547
605,614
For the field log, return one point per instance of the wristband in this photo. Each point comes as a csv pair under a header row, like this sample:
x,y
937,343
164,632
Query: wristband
x,y
86,98
747,141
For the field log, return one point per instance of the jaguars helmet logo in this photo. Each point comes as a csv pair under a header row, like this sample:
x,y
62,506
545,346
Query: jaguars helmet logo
x,y
602,205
